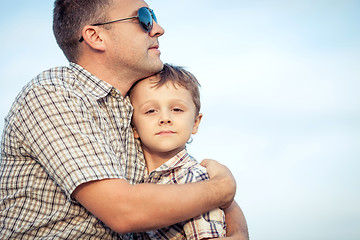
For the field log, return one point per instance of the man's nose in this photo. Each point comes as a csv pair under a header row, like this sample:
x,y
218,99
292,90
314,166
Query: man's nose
x,y
157,30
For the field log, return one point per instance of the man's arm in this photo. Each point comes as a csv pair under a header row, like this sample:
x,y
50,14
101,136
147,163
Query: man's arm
x,y
132,208
236,226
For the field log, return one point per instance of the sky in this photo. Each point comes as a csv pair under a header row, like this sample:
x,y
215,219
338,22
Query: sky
x,y
280,97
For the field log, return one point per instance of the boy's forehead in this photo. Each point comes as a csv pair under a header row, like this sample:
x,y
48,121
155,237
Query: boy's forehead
x,y
154,83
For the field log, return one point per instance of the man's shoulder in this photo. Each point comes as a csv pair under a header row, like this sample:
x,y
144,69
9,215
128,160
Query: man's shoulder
x,y
53,79
50,85
61,76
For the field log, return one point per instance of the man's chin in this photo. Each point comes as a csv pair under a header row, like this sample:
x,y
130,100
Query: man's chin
x,y
158,66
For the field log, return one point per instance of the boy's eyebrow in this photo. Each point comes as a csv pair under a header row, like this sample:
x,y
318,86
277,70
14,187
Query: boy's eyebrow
x,y
151,101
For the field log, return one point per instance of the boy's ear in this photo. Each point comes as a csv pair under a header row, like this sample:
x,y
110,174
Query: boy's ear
x,y
136,134
92,36
197,123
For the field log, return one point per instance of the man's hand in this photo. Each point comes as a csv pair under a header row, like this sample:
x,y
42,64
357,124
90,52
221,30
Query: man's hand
x,y
223,179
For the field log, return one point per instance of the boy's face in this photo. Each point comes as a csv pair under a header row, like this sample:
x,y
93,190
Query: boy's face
x,y
164,118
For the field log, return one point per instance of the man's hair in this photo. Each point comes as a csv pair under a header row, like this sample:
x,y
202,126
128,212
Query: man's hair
x,y
178,76
70,16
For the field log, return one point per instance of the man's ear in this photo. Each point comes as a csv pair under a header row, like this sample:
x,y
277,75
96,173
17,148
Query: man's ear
x,y
197,123
92,36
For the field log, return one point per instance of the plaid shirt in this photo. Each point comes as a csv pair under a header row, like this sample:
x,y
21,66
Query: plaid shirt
x,y
182,168
66,127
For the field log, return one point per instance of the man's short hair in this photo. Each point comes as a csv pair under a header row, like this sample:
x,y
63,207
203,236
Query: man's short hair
x,y
69,18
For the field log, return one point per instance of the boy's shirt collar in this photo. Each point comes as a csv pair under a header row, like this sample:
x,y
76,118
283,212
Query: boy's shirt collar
x,y
175,162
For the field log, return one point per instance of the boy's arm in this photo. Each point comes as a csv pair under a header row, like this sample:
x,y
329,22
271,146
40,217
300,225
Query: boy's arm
x,y
132,208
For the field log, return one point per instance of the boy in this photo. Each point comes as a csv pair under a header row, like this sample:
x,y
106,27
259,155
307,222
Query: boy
x,y
166,113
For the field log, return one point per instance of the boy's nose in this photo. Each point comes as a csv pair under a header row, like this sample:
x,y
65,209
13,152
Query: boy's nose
x,y
165,120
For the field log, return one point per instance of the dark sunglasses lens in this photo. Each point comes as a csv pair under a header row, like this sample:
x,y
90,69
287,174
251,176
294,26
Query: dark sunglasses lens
x,y
153,15
145,19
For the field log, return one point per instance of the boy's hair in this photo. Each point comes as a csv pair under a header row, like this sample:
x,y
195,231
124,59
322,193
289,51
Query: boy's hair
x,y
178,76
70,16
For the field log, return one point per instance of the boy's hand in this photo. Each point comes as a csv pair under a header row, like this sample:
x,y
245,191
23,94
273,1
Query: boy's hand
x,y
224,181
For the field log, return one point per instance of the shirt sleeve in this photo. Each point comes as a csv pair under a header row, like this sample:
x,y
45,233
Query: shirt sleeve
x,y
208,225
57,128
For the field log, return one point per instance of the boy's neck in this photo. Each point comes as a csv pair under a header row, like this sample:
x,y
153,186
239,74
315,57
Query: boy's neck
x,y
155,160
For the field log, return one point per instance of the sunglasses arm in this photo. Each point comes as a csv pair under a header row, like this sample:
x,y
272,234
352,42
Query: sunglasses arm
x,y
119,20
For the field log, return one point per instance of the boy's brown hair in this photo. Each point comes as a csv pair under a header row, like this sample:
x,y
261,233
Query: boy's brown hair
x,y
178,76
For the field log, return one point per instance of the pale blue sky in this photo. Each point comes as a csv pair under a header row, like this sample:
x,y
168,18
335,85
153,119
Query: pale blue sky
x,y
280,95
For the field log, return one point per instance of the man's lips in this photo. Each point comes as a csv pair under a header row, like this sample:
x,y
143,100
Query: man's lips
x,y
154,47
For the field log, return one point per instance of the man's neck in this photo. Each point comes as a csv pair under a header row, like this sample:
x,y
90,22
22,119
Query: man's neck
x,y
119,79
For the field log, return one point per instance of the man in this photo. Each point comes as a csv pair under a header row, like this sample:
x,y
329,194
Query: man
x,y
70,167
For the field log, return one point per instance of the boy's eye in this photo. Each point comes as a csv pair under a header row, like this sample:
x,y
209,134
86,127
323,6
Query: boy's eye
x,y
177,110
150,111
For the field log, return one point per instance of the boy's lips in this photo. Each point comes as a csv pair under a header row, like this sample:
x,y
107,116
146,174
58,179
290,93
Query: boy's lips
x,y
165,132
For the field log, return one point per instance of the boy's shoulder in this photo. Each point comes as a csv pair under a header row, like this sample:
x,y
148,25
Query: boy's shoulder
x,y
193,170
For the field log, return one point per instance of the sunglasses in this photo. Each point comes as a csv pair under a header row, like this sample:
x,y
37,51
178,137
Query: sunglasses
x,y
145,16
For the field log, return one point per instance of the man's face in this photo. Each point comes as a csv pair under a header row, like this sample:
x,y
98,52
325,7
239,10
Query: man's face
x,y
129,46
